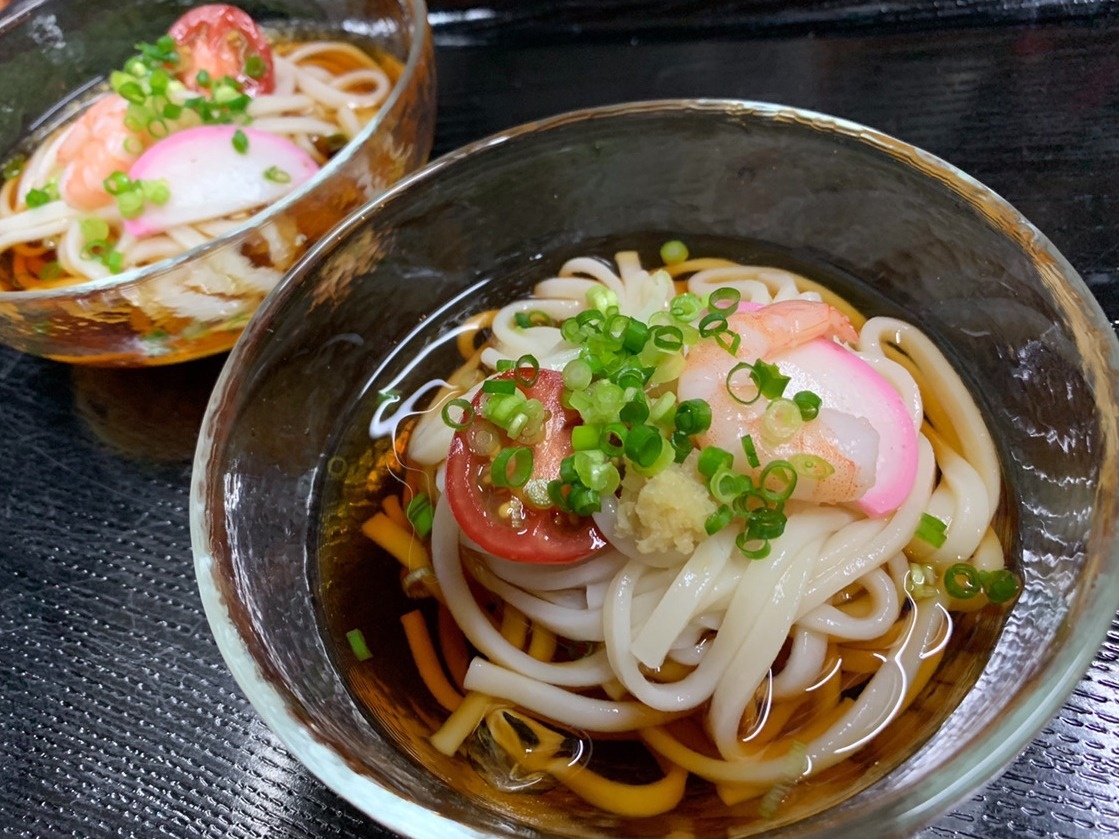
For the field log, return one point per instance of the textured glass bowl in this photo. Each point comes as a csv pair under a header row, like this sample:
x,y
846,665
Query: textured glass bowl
x,y
193,304
282,443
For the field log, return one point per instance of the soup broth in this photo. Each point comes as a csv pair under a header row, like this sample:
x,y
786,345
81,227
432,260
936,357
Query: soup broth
x,y
361,587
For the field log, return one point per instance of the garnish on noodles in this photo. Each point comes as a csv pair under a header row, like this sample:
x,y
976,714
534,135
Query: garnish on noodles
x,y
697,507
193,135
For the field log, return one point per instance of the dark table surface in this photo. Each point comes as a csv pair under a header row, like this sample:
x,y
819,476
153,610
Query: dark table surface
x,y
117,715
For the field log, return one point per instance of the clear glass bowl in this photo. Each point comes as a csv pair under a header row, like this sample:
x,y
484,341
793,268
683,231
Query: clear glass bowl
x,y
283,455
195,304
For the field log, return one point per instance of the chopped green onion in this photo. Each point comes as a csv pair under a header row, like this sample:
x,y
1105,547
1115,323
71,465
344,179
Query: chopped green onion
x,y
634,412
771,384
157,192
693,416
465,418
685,307
421,514
585,437
93,228
808,402
255,67
357,644
919,582
202,78
962,581
932,530
743,544
117,183
751,452
765,523
712,324
612,439
1001,585
718,520
682,445
583,501
726,485
644,445
740,389
522,320
240,141
811,466
668,338
526,362
130,203
674,252
781,420
37,198
777,480
51,270
577,374
729,340
712,459
277,175
512,467
724,300
503,386
596,472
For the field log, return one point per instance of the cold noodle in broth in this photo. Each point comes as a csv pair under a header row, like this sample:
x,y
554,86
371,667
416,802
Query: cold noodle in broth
x,y
696,512
196,133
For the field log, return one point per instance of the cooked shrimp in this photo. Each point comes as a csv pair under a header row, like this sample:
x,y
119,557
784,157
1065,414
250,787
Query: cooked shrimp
x,y
96,145
846,444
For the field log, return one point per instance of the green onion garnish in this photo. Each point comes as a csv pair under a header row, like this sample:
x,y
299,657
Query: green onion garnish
x,y
751,452
724,300
465,418
811,466
718,520
693,416
712,324
1001,585
712,459
777,481
808,402
685,307
512,467
932,530
674,252
771,384
962,581
277,175
421,514
643,445
585,437
503,386
240,141
37,198
357,644
529,363
255,67
668,338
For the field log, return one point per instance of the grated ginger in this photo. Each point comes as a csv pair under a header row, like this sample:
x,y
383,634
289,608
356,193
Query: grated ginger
x,y
667,511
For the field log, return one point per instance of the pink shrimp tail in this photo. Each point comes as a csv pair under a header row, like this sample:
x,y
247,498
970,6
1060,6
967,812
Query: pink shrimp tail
x,y
97,145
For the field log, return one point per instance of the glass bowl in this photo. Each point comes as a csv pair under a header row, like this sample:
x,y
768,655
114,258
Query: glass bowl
x,y
279,480
197,303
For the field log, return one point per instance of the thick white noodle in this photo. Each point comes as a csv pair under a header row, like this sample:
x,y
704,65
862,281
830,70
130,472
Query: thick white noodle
x,y
725,616
447,564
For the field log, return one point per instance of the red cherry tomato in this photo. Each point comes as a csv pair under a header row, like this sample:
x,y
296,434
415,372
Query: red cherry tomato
x,y
223,41
541,536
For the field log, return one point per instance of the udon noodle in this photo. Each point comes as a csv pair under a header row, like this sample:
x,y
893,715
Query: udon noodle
x,y
750,661
324,93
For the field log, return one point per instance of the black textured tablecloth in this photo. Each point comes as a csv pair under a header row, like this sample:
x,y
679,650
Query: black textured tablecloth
x,y
117,715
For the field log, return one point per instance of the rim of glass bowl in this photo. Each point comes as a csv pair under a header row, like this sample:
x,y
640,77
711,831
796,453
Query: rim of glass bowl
x,y
908,808
419,36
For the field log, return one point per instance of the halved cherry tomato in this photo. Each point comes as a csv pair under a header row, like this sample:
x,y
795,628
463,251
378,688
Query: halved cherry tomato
x,y
534,535
223,41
